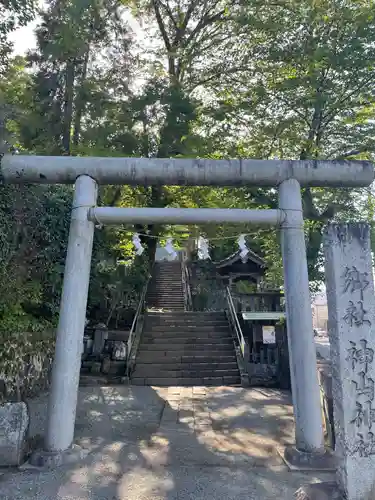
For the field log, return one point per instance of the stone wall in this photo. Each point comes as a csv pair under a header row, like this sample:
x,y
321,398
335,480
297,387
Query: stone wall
x,y
25,364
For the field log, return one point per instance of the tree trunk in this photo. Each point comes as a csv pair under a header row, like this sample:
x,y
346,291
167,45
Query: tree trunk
x,y
68,105
80,103
157,201
152,242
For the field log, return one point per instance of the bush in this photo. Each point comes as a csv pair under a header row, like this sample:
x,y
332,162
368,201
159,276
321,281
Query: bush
x,y
34,223
34,226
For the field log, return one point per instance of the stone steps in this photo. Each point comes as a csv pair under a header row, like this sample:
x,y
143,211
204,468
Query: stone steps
x,y
169,319
173,280
164,287
197,366
166,300
187,327
166,290
163,290
184,339
167,306
184,331
166,372
234,381
152,357
182,348
169,296
186,349
189,314
198,338
185,320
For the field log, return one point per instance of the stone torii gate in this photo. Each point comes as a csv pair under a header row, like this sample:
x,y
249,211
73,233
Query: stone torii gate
x,y
88,172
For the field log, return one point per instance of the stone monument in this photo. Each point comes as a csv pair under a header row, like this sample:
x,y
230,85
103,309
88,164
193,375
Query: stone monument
x,y
351,325
14,422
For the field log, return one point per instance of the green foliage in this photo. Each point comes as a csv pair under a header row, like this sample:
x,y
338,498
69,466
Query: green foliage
x,y
33,235
34,224
117,278
312,89
206,289
63,87
212,79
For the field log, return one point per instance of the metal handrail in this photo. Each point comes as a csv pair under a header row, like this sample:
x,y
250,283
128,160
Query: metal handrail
x,y
133,329
186,286
235,322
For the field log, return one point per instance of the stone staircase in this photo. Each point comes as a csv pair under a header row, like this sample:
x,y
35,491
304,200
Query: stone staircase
x,y
166,291
181,348
186,348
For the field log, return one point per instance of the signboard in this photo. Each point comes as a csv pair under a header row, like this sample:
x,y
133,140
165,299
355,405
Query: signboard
x,y
262,315
269,335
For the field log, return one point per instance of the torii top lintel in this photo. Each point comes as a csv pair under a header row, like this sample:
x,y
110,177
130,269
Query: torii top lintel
x,y
190,172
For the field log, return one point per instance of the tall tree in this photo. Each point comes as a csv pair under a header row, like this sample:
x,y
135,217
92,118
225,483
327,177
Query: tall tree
x,y
307,94
70,37
212,78
13,14
189,40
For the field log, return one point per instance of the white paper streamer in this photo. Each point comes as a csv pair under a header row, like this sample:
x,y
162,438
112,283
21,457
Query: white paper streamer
x,y
203,251
170,249
243,247
138,245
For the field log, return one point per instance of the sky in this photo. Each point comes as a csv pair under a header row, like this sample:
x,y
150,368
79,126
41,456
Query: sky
x,y
24,38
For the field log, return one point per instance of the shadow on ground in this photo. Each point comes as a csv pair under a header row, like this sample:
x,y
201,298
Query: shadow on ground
x,y
170,443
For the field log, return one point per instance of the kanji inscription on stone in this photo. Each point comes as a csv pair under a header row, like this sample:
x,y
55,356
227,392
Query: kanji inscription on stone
x,y
364,387
360,358
356,314
364,445
364,414
361,355
355,280
351,313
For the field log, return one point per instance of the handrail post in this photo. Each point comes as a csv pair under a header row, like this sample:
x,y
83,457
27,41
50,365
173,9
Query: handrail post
x,y
244,348
236,323
133,328
185,285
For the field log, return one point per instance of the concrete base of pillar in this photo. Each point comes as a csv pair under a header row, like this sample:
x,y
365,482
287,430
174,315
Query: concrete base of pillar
x,y
52,459
319,491
302,461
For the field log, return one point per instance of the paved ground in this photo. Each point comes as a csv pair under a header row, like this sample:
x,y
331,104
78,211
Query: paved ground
x,y
169,444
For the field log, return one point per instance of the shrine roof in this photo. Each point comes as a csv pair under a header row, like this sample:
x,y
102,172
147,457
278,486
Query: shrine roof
x,y
235,258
